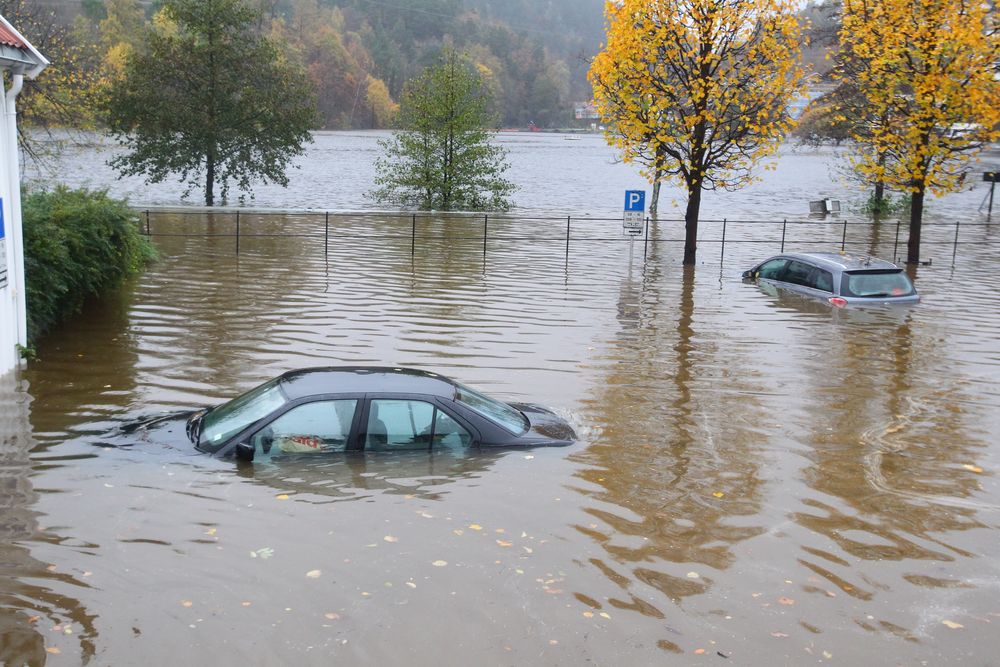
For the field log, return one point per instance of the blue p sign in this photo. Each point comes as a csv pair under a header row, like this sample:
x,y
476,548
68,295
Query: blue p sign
x,y
635,200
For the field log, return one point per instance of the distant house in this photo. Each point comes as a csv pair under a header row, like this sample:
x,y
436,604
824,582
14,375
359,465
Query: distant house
x,y
20,59
586,111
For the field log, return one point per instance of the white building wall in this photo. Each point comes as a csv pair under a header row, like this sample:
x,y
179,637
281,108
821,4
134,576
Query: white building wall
x,y
10,312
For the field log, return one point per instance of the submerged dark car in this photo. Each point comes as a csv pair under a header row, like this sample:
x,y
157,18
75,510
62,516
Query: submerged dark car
x,y
329,410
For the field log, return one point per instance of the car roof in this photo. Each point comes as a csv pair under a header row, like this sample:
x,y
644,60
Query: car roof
x,y
364,379
842,261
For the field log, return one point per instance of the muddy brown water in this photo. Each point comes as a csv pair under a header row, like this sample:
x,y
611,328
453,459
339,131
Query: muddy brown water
x,y
760,479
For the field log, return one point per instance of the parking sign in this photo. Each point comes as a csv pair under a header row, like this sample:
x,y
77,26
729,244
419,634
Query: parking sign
x,y
635,211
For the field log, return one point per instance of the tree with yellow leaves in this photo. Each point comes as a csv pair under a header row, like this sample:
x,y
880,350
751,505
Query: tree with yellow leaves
x,y
928,70
698,89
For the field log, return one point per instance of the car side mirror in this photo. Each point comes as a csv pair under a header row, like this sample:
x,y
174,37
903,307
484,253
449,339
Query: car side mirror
x,y
244,452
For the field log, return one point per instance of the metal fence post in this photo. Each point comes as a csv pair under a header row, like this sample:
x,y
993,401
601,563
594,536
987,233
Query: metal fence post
x,y
895,245
722,255
486,224
567,237
843,239
326,235
645,241
237,232
954,252
413,236
784,226
147,222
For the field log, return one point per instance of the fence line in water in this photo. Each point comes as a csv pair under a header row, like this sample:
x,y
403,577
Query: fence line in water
x,y
649,234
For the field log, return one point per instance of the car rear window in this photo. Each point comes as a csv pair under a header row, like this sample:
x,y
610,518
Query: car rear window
x,y
495,411
876,283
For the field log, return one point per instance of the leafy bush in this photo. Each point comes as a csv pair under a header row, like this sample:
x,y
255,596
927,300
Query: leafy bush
x,y
77,243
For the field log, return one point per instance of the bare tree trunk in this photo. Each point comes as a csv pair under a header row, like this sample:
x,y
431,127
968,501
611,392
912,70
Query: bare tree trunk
x,y
210,177
691,223
916,218
654,204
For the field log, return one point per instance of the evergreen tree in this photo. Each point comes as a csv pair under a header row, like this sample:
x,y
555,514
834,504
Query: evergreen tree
x,y
210,99
442,158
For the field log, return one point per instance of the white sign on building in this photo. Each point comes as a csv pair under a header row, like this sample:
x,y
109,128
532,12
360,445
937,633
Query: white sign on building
x,y
3,250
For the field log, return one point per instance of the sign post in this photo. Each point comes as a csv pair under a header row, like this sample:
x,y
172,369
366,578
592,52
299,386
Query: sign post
x,y
991,177
635,212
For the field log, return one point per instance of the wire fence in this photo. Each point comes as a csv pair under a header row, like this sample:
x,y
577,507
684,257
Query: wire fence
x,y
328,226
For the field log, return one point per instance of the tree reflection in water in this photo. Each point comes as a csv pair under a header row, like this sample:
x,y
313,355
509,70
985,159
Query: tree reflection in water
x,y
677,465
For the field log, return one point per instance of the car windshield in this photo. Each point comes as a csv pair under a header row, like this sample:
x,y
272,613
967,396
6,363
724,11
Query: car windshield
x,y
222,422
876,283
497,412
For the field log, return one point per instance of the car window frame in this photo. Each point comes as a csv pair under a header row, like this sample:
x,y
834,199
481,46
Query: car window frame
x,y
780,273
253,429
361,419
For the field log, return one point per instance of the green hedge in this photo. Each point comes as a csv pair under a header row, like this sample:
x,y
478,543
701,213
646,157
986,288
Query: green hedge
x,y
77,244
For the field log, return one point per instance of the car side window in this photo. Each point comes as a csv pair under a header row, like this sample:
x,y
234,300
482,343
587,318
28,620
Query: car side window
x,y
797,273
823,280
312,428
449,434
772,269
397,425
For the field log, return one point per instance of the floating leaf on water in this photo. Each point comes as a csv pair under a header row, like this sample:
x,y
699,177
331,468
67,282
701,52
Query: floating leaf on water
x,y
187,603
505,544
411,584
53,650
314,574
786,601
390,538
282,496
693,575
827,655
246,603
605,614
718,494
779,635
529,457
458,531
332,615
553,642
972,468
475,526
588,614
953,625
439,563
699,651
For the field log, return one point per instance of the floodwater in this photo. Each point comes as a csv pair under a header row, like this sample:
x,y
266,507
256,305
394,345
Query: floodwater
x,y
760,478
559,174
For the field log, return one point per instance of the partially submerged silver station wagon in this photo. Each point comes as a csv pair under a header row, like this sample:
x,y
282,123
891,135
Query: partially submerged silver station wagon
x,y
840,279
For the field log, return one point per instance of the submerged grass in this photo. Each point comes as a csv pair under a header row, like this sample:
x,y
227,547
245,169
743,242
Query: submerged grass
x,y
77,244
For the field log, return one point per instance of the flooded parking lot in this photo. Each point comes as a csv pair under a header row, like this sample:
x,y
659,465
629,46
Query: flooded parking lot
x,y
760,478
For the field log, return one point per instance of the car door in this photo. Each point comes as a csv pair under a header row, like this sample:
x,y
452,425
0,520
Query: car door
x,y
408,422
314,425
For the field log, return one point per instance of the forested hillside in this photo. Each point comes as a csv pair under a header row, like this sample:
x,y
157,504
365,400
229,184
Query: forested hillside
x,y
360,53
